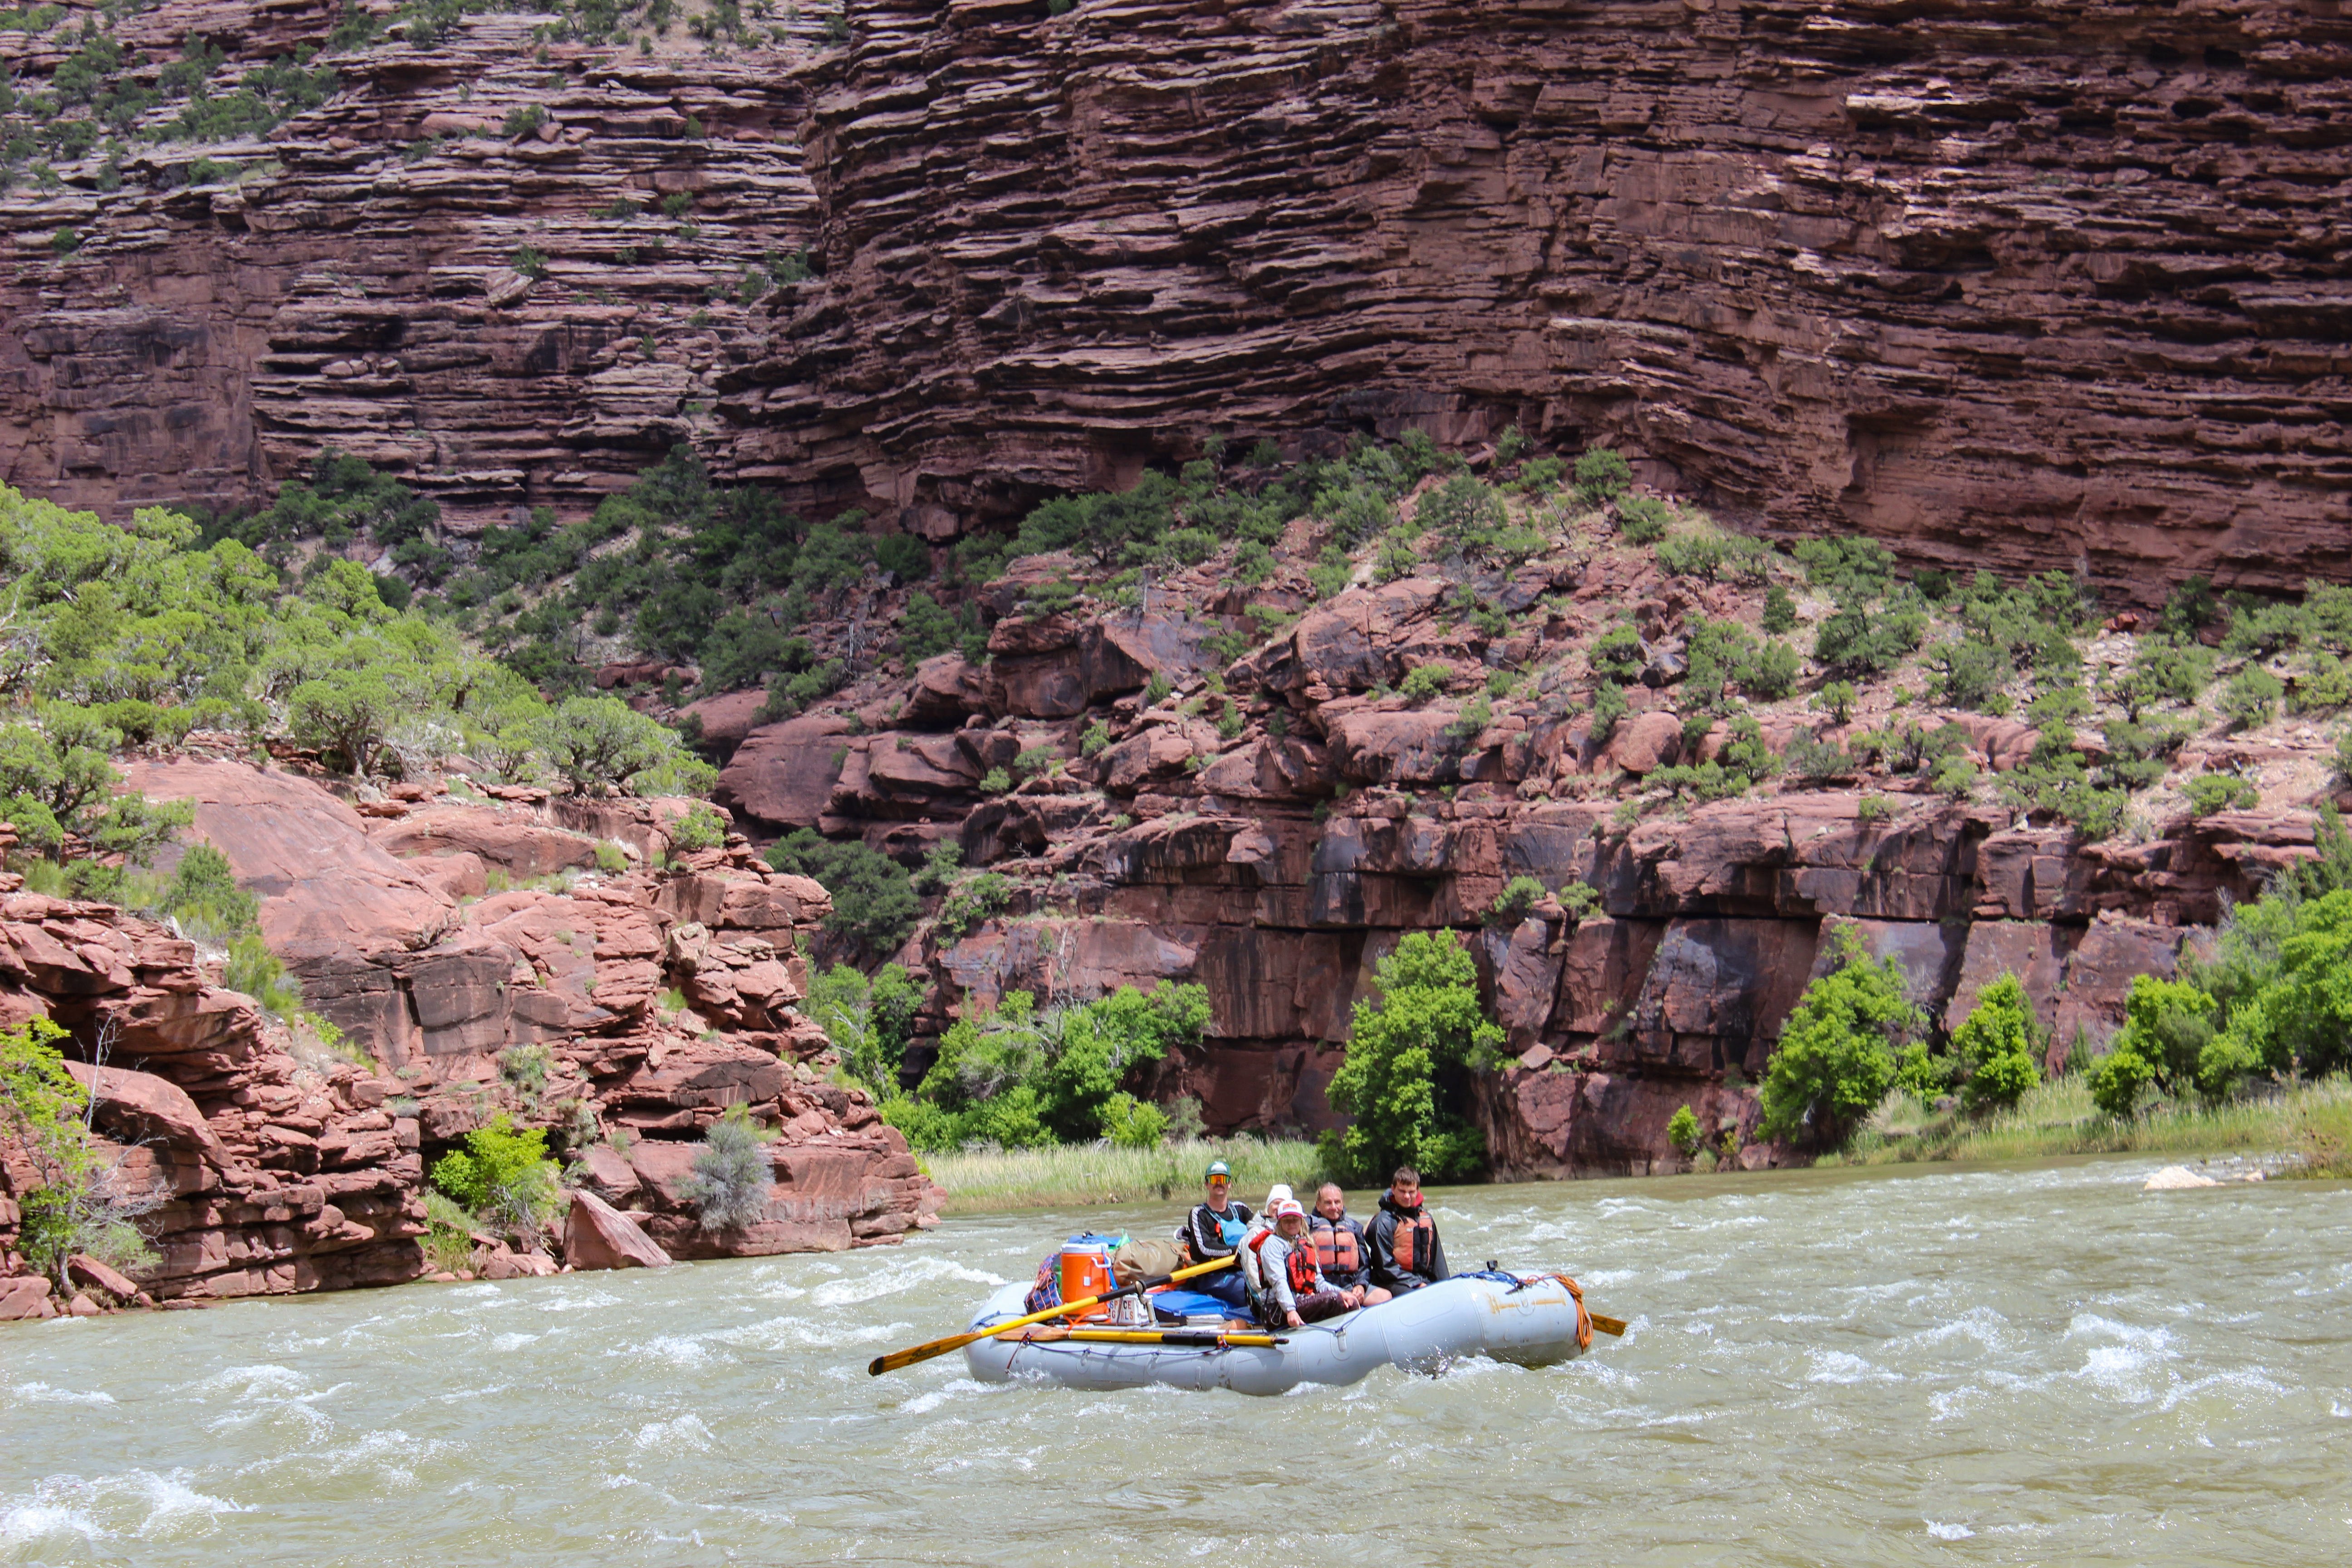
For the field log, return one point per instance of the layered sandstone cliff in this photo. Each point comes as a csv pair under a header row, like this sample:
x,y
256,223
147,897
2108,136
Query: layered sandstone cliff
x,y
2044,285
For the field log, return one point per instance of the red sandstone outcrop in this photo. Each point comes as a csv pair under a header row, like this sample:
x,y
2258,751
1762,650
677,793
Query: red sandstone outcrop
x,y
1975,287
279,1175
284,1175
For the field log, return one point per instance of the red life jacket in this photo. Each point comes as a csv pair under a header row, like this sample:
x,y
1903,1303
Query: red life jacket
x,y
1336,1251
1408,1245
1299,1264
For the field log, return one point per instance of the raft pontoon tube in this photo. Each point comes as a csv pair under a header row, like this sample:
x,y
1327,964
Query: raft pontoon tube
x,y
1528,1319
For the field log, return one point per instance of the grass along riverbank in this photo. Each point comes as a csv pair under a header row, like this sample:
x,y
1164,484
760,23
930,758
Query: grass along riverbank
x,y
1073,1175
2314,1120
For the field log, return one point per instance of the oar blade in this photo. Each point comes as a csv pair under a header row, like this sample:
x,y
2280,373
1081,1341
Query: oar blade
x,y
1608,1325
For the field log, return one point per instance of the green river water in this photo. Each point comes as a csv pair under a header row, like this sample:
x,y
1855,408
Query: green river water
x,y
1942,1365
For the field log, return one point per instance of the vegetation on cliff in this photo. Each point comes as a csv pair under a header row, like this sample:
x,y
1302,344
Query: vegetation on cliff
x,y
143,636
81,1200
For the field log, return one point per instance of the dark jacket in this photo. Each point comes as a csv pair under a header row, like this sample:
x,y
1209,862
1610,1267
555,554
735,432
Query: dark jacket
x,y
1202,1235
1317,1224
1380,1245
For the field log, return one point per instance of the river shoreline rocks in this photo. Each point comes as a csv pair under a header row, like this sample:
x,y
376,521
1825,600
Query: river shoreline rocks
x,y
626,1011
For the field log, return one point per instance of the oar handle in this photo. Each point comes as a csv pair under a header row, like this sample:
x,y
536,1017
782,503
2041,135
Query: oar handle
x,y
897,1358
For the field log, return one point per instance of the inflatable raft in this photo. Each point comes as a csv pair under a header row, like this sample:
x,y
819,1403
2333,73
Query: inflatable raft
x,y
1530,1320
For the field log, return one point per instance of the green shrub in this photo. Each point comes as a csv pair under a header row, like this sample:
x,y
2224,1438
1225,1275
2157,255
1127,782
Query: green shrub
x,y
1609,706
611,859
1967,672
2252,698
980,899
531,262
1424,682
1682,1132
504,1176
1330,575
1770,669
1642,520
1602,476
2161,671
523,121
700,829
874,903
1132,1123
204,899
1870,639
732,1174
1779,610
1158,689
1618,655
1837,1054
2210,793
1996,1044
1848,568
1519,895
1405,1078
1837,699
1464,509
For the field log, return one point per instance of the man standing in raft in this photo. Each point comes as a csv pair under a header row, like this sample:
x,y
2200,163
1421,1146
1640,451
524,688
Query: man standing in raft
x,y
1402,1242
1212,1230
1340,1246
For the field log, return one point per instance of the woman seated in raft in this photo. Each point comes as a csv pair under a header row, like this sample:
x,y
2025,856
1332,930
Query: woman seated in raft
x,y
1297,1293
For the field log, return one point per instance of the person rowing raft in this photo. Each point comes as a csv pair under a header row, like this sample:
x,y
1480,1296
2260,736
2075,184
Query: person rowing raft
x,y
1212,1230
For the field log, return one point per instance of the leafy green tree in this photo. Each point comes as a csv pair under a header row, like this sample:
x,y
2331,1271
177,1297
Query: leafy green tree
x,y
873,903
1837,1055
348,712
868,1021
503,1175
1779,610
79,1200
1405,1050
1682,1132
601,742
1132,1123
204,899
1997,1043
1602,476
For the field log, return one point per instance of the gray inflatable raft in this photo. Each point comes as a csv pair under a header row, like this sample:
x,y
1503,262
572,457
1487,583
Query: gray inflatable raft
x,y
1528,1319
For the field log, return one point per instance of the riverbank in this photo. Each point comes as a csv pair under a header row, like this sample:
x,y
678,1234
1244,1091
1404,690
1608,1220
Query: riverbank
x,y
1077,1175
2314,1120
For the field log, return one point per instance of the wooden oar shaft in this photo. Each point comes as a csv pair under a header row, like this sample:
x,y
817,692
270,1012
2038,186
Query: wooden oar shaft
x,y
1608,1325
897,1358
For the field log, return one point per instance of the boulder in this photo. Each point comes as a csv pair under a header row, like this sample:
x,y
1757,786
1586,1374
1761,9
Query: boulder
x,y
84,1269
598,1235
143,1105
1644,742
25,1296
2176,1178
784,774
513,841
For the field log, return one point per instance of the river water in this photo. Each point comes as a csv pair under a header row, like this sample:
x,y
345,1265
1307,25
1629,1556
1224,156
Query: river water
x,y
1940,1365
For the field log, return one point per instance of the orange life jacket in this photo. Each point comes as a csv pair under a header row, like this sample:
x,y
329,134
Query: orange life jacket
x,y
1407,1243
1298,1264
1336,1252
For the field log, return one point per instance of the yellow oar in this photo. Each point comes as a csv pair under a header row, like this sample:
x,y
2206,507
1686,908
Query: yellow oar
x,y
1608,1325
897,1358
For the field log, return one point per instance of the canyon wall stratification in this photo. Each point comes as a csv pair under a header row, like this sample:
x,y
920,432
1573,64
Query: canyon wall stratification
x,y
2012,286
2026,285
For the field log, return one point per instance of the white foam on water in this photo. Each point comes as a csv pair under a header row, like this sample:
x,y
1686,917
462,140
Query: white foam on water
x,y
512,1341
2245,1386
1982,1324
830,1334
686,1433
22,1523
43,1394
902,1275
173,1503
576,1299
267,1380
1841,1366
674,1350
1949,1532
